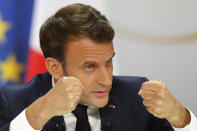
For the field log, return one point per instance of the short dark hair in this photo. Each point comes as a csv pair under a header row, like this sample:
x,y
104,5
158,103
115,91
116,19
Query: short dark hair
x,y
70,22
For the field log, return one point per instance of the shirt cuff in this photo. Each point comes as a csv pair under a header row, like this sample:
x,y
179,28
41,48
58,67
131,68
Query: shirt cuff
x,y
192,126
20,123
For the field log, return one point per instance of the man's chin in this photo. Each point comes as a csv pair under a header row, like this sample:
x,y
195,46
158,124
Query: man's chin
x,y
97,103
100,103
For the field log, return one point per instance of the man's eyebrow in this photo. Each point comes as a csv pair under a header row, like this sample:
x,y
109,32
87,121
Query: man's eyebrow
x,y
89,63
94,63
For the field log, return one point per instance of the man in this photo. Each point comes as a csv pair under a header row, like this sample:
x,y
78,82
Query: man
x,y
77,44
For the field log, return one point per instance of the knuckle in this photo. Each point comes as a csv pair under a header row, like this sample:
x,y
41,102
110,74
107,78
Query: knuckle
x,y
161,85
144,97
146,103
150,109
153,82
160,94
159,103
144,84
156,110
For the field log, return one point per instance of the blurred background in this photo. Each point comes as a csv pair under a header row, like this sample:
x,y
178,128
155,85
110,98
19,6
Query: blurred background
x,y
154,38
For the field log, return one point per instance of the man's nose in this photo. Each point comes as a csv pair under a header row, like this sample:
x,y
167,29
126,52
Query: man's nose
x,y
105,77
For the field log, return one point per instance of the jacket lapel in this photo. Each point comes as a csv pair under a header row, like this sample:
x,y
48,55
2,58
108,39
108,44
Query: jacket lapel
x,y
111,119
107,113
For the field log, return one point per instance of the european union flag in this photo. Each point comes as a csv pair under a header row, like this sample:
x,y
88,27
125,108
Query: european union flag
x,y
15,23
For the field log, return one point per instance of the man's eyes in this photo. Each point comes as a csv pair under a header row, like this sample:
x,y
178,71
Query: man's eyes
x,y
92,67
109,62
89,68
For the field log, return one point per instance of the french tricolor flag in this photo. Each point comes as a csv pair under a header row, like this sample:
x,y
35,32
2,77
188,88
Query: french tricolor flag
x,y
42,10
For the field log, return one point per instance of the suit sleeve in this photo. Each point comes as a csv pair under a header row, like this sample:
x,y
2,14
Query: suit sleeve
x,y
146,79
4,111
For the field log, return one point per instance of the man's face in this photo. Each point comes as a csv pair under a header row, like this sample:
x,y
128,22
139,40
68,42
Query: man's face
x,y
92,63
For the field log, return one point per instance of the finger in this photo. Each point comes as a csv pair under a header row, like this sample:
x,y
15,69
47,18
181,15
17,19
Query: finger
x,y
155,111
75,81
153,86
147,103
75,90
153,102
70,81
148,95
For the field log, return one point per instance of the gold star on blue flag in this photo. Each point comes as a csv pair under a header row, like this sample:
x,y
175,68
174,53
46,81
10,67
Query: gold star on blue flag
x,y
4,27
10,69
15,25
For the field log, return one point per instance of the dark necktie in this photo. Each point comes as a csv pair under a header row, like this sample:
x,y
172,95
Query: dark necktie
x,y
82,118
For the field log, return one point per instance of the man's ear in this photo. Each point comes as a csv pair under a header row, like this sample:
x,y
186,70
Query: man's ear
x,y
54,67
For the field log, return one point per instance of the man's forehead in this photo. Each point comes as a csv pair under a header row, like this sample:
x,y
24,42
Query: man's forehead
x,y
88,43
94,58
86,46
87,50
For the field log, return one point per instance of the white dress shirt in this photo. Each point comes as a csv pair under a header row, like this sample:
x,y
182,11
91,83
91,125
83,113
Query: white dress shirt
x,y
21,123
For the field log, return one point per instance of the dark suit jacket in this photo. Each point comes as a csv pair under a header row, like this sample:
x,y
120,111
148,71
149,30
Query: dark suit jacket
x,y
129,113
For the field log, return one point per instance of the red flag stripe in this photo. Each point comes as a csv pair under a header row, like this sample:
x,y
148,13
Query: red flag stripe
x,y
36,64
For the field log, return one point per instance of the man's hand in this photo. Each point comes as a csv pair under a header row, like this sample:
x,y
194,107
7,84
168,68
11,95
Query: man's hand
x,y
61,99
162,104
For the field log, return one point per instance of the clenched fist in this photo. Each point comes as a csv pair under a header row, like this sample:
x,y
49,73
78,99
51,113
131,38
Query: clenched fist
x,y
162,104
61,99
64,97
